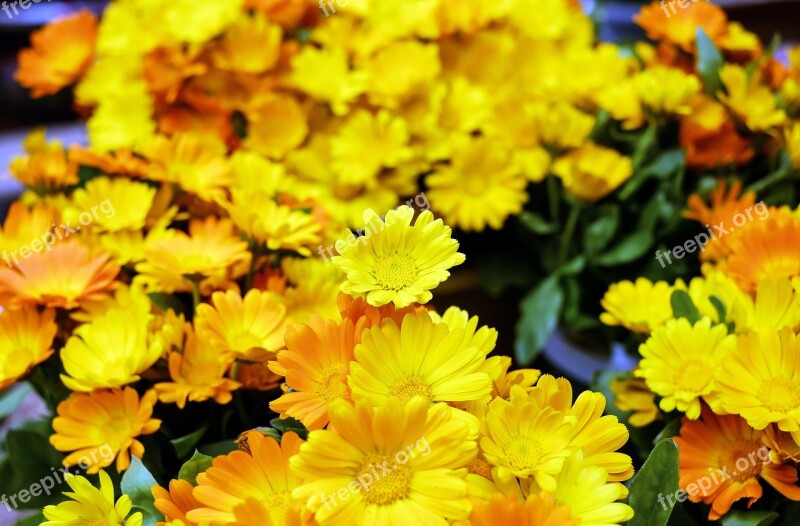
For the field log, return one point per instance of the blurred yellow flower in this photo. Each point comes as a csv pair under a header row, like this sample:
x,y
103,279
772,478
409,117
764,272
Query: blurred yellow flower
x,y
45,165
750,100
591,172
26,339
325,75
115,204
250,45
667,90
632,394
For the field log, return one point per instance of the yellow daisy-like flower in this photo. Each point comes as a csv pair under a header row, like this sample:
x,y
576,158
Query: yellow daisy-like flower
x,y
399,262
62,277
667,90
189,22
775,306
124,120
250,45
103,425
316,364
26,339
250,328
680,360
409,460
417,359
484,338
262,474
749,99
90,505
197,374
326,75
23,225
46,165
633,395
761,383
560,125
459,190
525,440
211,252
110,351
115,204
640,307
591,172
400,70
276,125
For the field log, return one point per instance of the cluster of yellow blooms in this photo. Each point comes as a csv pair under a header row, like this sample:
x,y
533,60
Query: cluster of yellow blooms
x,y
731,361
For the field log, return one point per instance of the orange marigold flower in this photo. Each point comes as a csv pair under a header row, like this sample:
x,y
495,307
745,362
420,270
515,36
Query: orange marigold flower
x,y
176,502
537,510
61,52
721,460
26,339
45,165
710,137
121,161
680,30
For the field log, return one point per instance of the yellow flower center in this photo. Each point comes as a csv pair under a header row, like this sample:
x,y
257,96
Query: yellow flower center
x,y
524,453
330,384
407,388
693,376
741,460
277,504
391,481
395,271
780,395
479,466
244,341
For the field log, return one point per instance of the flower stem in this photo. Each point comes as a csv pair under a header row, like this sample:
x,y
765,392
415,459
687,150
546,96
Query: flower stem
x,y
569,231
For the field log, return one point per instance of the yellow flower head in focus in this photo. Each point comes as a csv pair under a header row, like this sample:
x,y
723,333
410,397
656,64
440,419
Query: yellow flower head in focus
x,y
90,505
45,165
750,99
459,191
680,360
425,448
250,328
115,204
61,52
591,172
640,307
262,474
26,339
397,261
103,425
110,351
665,90
175,502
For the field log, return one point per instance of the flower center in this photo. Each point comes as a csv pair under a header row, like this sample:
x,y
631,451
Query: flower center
x,y
391,481
481,467
524,453
407,388
244,341
741,459
780,395
395,271
277,504
331,384
694,376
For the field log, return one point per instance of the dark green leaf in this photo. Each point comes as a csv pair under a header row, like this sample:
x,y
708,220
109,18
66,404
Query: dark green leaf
x,y
749,518
630,249
137,483
664,166
709,62
572,267
657,479
218,448
184,445
31,459
683,306
720,307
166,302
284,425
194,466
602,229
537,224
540,311
670,430
239,124
497,272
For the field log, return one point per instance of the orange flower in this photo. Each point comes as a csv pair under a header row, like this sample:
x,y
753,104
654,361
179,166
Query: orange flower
x,y
26,339
45,165
721,460
61,52
121,161
316,364
537,510
679,28
61,277
175,503
287,13
357,308
710,137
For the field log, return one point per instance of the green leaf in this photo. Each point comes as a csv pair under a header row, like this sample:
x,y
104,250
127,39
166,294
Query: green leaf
x,y
720,307
184,445
601,230
709,62
670,430
284,425
663,167
540,311
239,124
194,466
749,518
537,224
497,272
137,483
218,448
166,302
630,249
31,459
13,397
683,306
657,479
573,267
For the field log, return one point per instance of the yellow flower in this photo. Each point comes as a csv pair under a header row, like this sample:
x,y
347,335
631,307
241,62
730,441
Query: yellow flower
x,y
399,262
367,143
62,277
26,339
197,374
560,125
417,359
667,90
276,125
211,252
250,329
425,450
262,474
591,172
189,22
23,225
115,204
791,138
314,289
46,166
484,338
122,121
110,351
250,45
176,502
459,190
326,76
750,100
680,360
776,306
103,425
316,364
633,395
622,102
640,307
760,381
401,70
90,505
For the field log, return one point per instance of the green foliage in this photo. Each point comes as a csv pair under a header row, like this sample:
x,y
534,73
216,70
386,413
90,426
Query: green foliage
x,y
540,312
684,307
194,466
657,478
138,483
